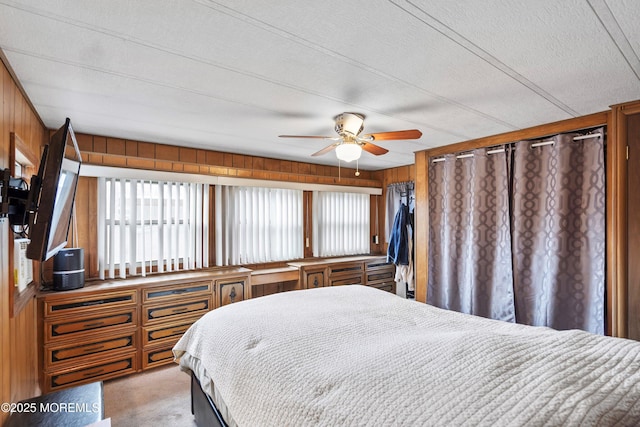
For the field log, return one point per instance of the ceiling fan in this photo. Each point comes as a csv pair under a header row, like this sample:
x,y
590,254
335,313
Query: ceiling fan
x,y
349,144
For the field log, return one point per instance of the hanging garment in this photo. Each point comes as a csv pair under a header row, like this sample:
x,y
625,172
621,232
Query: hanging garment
x,y
404,273
398,250
396,194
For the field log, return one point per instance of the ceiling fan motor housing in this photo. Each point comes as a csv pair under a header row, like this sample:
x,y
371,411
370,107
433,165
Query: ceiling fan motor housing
x,y
349,124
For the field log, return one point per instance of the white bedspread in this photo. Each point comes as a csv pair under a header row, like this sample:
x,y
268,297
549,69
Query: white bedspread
x,y
353,355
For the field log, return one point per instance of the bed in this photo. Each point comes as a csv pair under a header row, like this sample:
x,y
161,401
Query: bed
x,y
355,355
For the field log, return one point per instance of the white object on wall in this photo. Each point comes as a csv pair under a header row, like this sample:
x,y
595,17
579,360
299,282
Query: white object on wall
x,y
22,266
4,248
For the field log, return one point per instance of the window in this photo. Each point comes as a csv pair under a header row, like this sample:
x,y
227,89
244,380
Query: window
x,y
341,223
255,225
151,226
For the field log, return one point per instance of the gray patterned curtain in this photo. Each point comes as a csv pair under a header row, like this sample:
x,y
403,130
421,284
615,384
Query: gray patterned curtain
x,y
519,235
559,232
469,224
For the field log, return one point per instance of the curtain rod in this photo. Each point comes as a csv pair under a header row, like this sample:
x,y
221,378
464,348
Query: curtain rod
x,y
581,137
535,144
543,143
575,138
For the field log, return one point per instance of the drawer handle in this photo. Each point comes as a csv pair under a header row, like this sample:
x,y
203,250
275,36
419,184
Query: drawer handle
x,y
93,325
180,310
94,349
93,373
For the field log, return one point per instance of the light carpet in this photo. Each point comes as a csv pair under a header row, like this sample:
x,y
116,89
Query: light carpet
x,y
159,397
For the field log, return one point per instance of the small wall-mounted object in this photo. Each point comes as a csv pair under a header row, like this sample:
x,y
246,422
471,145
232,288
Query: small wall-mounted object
x,y
14,195
22,266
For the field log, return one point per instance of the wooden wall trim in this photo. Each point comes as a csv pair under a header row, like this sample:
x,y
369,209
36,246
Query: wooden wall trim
x,y
617,259
421,236
616,227
540,131
106,151
19,300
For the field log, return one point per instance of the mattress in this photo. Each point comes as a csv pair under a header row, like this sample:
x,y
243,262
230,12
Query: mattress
x,y
191,364
354,355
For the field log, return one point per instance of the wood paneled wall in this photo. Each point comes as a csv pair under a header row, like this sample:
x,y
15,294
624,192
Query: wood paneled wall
x,y
100,150
633,224
622,223
18,334
399,174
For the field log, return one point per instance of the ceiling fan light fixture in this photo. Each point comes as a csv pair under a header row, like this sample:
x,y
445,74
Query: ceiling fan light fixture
x,y
349,123
349,144
348,152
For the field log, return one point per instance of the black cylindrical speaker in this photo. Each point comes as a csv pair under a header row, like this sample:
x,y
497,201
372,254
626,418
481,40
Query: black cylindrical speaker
x,y
68,269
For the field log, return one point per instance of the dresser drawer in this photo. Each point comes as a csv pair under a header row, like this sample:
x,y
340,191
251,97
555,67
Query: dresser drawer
x,y
385,286
79,304
230,291
116,367
346,269
166,332
99,347
346,280
158,294
158,356
175,310
315,279
380,276
378,263
89,323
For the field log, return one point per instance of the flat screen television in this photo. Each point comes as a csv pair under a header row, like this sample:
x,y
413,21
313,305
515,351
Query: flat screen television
x,y
52,194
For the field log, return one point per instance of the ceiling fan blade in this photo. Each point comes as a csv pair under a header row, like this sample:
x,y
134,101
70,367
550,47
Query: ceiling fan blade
x,y
325,150
398,134
374,149
305,136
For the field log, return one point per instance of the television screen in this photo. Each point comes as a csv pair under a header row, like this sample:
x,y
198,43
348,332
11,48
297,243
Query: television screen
x,y
53,193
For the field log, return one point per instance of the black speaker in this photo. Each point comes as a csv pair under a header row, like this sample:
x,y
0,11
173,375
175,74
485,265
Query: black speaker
x,y
68,269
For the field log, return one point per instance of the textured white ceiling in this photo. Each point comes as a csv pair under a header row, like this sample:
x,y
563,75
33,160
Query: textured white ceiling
x,y
233,75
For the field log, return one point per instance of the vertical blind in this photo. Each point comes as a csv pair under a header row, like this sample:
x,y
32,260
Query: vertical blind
x,y
144,225
341,223
255,224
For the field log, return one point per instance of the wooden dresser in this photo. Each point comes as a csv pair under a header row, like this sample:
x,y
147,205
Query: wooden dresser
x,y
118,327
371,270
114,328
